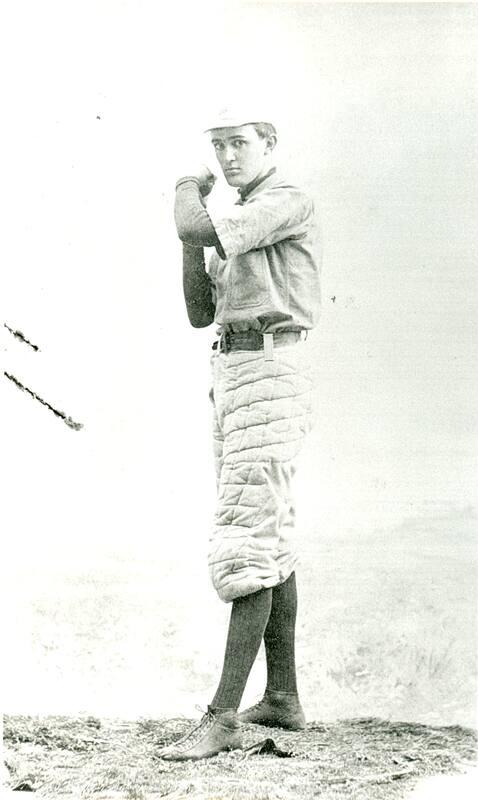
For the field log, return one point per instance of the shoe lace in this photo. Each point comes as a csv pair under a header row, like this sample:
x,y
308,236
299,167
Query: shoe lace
x,y
257,706
196,734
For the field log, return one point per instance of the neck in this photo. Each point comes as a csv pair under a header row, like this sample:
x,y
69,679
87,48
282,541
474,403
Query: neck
x,y
245,190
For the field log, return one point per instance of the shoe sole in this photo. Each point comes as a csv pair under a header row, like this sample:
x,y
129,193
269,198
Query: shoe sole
x,y
274,724
211,754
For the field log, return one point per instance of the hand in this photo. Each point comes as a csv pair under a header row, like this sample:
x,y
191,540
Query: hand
x,y
205,177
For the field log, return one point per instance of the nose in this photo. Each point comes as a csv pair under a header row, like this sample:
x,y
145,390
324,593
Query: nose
x,y
229,154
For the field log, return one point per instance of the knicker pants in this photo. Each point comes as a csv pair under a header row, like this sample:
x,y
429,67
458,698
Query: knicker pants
x,y
262,414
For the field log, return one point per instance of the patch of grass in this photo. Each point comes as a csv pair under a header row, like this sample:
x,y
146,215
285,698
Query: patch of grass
x,y
360,759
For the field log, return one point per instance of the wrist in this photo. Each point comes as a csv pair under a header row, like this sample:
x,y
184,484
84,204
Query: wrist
x,y
187,179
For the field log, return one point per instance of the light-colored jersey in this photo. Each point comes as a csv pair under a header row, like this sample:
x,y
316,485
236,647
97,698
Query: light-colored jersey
x,y
270,278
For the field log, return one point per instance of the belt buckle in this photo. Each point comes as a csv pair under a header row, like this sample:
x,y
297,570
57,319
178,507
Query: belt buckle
x,y
224,343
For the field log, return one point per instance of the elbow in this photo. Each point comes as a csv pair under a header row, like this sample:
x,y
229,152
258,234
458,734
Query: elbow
x,y
200,323
201,320
187,234
185,227
201,317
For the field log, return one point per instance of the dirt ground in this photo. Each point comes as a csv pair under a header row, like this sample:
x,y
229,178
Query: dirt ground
x,y
360,759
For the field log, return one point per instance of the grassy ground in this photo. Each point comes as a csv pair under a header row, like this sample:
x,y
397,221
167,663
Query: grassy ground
x,y
361,759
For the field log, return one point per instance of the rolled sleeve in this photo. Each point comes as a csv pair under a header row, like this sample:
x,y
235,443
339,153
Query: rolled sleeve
x,y
270,217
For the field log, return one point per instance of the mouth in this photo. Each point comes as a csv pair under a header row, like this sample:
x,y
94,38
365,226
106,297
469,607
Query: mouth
x,y
232,171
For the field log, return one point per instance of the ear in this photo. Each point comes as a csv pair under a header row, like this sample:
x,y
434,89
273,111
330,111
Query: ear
x,y
271,142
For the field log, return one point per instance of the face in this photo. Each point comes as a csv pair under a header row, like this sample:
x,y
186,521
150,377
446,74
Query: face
x,y
242,153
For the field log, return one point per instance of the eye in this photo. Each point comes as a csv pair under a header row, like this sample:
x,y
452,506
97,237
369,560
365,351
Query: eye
x,y
239,142
218,146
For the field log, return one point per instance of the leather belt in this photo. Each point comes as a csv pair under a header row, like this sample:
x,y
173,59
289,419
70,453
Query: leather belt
x,y
252,340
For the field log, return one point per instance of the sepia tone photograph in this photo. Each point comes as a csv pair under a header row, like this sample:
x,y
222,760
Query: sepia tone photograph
x,y
238,400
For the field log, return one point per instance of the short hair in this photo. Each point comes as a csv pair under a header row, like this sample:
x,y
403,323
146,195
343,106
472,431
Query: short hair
x,y
264,129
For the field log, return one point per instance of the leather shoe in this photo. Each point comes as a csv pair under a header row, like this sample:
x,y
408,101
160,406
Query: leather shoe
x,y
218,730
276,710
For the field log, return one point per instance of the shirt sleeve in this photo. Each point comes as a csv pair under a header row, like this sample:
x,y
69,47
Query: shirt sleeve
x,y
269,217
193,223
199,293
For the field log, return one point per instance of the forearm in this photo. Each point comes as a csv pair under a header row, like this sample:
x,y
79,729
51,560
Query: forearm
x,y
193,224
197,287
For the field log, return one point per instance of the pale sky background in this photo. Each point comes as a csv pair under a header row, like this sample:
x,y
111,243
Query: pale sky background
x,y
376,107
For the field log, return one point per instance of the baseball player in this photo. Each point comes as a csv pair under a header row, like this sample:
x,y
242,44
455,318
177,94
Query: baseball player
x,y
261,289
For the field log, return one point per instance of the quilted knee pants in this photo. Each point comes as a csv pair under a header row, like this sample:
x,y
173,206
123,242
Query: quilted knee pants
x,y
262,412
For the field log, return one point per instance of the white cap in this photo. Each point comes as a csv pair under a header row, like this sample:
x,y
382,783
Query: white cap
x,y
235,117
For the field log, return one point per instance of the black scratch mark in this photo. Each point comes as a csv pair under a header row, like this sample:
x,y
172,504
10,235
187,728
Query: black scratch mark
x,y
77,426
22,337
333,299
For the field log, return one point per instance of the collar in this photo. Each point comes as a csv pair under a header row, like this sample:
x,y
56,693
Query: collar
x,y
246,190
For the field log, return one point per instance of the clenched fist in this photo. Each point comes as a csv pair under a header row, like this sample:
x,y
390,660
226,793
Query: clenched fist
x,y
203,174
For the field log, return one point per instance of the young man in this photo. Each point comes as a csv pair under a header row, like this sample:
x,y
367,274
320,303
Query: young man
x,y
262,291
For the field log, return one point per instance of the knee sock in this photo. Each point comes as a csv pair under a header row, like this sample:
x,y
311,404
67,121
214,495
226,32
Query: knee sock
x,y
249,617
279,638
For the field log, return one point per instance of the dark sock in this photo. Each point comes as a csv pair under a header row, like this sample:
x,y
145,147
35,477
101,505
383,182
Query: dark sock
x,y
249,617
279,638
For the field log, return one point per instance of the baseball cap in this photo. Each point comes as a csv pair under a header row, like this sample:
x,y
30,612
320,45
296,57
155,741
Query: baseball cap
x,y
235,117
